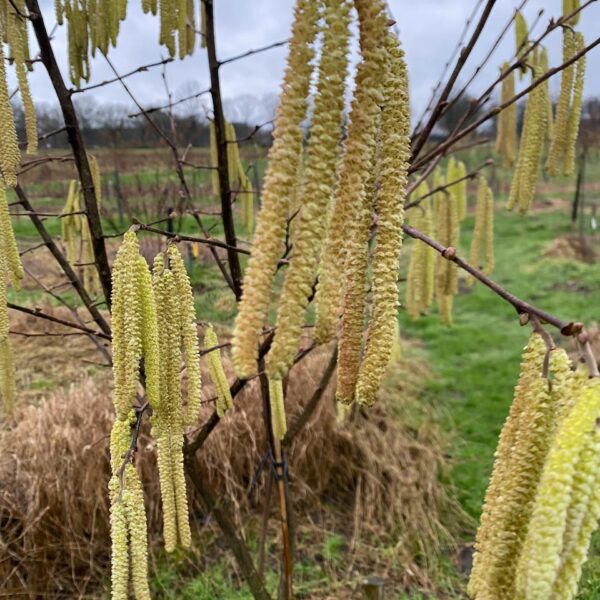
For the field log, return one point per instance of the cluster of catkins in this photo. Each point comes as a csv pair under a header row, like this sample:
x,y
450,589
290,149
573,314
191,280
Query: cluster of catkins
x,y
13,30
337,201
237,176
76,230
543,500
541,123
154,320
11,271
93,25
438,214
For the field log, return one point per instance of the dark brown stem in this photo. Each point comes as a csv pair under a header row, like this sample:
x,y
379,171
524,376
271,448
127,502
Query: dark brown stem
x,y
233,259
277,455
42,315
444,146
312,404
228,527
77,145
62,261
462,59
520,305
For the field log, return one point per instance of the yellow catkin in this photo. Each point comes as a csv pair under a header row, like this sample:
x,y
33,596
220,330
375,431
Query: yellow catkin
x,y
354,198
71,224
17,41
202,24
558,143
345,249
133,500
419,287
483,232
540,560
176,322
568,7
448,231
521,37
506,138
10,156
189,334
119,544
8,243
583,512
395,154
530,149
233,156
214,159
135,337
167,10
247,202
7,369
232,150
96,177
461,190
190,39
490,260
166,420
277,404
317,187
217,372
519,459
575,112
284,157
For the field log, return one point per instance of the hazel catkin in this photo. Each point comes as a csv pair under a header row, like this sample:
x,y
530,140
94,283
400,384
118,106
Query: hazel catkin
x,y
284,157
217,372
395,154
317,185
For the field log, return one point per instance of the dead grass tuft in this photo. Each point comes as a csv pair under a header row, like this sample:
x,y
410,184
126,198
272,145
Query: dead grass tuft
x,y
573,247
374,481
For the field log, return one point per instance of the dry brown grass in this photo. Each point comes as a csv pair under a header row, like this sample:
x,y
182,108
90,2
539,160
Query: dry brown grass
x,y
573,247
374,481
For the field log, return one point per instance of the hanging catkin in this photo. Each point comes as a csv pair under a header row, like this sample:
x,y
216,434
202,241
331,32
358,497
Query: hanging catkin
x,y
348,230
541,556
532,141
189,334
134,336
8,243
520,456
558,144
10,156
575,112
506,138
17,40
70,223
483,232
167,420
277,406
420,284
448,231
521,38
11,271
354,200
395,154
284,156
202,24
224,400
7,369
317,187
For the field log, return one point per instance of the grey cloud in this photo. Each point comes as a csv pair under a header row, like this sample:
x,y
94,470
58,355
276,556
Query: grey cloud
x,y
429,30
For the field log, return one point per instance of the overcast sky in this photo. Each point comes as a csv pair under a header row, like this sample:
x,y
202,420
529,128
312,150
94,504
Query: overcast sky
x,y
429,30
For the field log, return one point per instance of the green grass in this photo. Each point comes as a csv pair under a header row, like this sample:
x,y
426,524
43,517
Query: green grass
x,y
476,362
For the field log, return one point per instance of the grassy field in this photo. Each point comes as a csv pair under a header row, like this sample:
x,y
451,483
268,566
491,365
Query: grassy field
x,y
474,364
